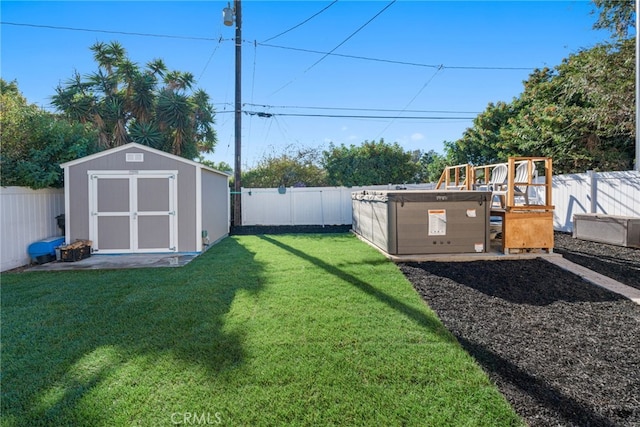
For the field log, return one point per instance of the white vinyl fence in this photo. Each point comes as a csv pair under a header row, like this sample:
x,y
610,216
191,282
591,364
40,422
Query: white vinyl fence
x,y
26,216
304,206
611,193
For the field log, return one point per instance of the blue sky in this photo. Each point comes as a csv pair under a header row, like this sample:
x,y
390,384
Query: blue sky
x,y
439,61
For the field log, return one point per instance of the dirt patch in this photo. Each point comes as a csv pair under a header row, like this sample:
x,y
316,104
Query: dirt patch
x,y
562,351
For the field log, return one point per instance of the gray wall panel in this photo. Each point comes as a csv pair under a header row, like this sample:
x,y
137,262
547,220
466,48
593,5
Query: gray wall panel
x,y
215,205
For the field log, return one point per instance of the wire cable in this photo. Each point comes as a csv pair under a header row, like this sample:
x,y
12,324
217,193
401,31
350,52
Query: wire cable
x,y
253,86
339,44
302,23
53,27
219,40
353,116
360,109
215,49
351,35
424,86
390,61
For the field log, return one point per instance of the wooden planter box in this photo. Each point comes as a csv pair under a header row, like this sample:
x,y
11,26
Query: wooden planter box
x,y
526,231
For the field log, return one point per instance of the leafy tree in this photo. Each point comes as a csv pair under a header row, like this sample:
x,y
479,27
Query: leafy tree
x,y
616,15
483,143
150,106
35,142
221,166
431,165
416,157
294,168
581,113
369,164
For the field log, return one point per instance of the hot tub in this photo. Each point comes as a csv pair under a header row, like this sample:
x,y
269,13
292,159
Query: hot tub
x,y
414,222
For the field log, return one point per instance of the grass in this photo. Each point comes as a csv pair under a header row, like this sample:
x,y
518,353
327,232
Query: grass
x,y
260,330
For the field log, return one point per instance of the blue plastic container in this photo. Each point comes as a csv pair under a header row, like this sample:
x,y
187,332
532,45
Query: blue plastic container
x,y
44,250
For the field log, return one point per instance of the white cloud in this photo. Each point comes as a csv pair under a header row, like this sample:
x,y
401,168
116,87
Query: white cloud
x,y
417,136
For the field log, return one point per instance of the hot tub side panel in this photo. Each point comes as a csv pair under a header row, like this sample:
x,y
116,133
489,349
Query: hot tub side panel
x,y
371,222
441,227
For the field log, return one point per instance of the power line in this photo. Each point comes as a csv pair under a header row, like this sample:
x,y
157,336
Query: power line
x,y
219,40
360,109
89,30
265,114
390,61
339,44
424,86
302,23
351,35
353,116
215,49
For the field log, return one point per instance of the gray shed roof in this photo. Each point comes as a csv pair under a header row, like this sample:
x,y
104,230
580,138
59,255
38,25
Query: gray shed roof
x,y
144,148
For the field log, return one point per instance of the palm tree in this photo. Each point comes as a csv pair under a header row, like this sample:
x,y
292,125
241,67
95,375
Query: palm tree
x,y
178,80
202,121
157,67
125,103
108,55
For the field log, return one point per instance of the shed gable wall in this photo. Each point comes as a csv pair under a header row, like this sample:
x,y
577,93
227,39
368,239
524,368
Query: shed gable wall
x,y
78,215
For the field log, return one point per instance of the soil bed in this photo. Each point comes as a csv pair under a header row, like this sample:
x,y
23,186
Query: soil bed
x,y
562,351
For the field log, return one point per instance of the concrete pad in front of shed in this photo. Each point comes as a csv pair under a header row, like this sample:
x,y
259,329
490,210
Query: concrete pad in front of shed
x,y
100,262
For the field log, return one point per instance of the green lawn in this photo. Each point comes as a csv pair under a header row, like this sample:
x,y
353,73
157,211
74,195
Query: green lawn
x,y
275,330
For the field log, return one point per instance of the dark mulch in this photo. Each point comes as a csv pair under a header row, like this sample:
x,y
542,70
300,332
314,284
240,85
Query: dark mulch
x,y
288,229
562,351
617,262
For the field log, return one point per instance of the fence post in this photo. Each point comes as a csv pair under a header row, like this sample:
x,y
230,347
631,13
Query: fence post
x,y
292,208
593,186
322,208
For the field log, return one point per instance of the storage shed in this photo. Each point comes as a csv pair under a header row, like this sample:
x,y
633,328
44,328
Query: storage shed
x,y
136,199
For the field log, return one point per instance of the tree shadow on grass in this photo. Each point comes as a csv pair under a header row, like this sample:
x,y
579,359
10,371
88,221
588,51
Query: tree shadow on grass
x,y
64,333
428,322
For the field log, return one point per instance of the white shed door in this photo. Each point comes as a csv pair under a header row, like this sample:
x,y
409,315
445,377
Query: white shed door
x,y
133,212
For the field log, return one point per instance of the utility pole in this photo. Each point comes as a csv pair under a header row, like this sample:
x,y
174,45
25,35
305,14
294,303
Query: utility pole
x,y
228,15
637,89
